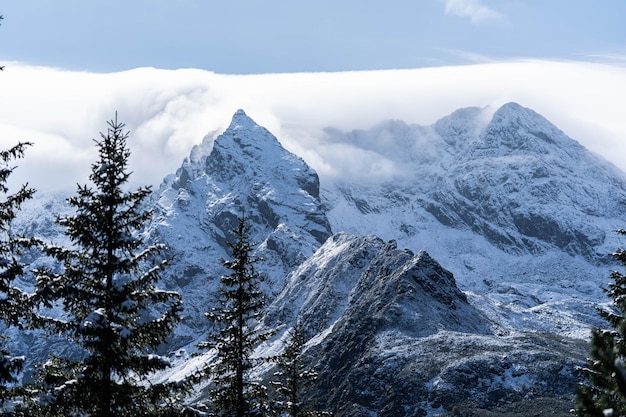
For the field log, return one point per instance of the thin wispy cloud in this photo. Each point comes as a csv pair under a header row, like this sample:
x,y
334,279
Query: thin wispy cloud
x,y
475,10
608,58
469,57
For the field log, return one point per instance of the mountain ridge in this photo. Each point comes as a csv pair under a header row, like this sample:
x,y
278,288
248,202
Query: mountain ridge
x,y
504,218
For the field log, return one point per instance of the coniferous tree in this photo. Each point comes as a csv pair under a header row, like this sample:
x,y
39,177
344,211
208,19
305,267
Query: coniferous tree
x,y
604,391
293,377
290,374
241,303
113,310
14,307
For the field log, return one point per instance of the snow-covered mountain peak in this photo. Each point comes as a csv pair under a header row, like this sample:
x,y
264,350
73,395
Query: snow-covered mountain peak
x,y
244,131
241,120
514,114
511,176
519,130
247,172
240,114
511,130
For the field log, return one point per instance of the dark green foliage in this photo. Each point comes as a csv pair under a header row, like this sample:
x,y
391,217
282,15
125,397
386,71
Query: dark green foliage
x,y
107,289
605,374
241,302
14,308
292,377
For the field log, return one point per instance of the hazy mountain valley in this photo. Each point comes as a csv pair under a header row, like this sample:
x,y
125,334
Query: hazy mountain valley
x,y
461,280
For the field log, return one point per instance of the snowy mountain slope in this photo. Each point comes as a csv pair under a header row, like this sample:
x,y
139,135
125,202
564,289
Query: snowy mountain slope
x,y
519,157
518,212
516,180
399,297
392,335
512,206
244,171
523,214
362,272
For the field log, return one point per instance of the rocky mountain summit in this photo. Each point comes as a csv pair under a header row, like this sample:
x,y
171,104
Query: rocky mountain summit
x,y
520,157
515,180
243,172
463,280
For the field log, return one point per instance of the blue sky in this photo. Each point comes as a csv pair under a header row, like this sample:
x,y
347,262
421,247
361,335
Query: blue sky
x,y
253,36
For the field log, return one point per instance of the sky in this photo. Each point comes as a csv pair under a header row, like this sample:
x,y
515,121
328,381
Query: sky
x,y
252,36
175,70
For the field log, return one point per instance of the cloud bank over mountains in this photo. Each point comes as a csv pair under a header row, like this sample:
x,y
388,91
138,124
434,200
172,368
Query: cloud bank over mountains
x,y
169,111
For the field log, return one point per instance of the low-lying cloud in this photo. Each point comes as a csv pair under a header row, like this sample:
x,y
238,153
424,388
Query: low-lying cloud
x,y
169,111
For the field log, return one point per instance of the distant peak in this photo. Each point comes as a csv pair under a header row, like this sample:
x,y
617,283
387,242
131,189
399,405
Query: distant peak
x,y
514,114
241,119
511,105
515,110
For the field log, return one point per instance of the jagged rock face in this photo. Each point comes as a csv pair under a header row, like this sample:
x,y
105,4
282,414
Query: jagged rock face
x,y
244,171
400,299
392,335
397,376
408,293
317,292
360,283
366,305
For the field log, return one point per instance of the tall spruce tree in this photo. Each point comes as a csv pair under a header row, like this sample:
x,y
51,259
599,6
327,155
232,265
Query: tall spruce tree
x,y
14,307
292,377
603,393
241,302
113,310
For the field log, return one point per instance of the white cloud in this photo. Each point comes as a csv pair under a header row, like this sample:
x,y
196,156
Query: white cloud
x,y
168,112
473,9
